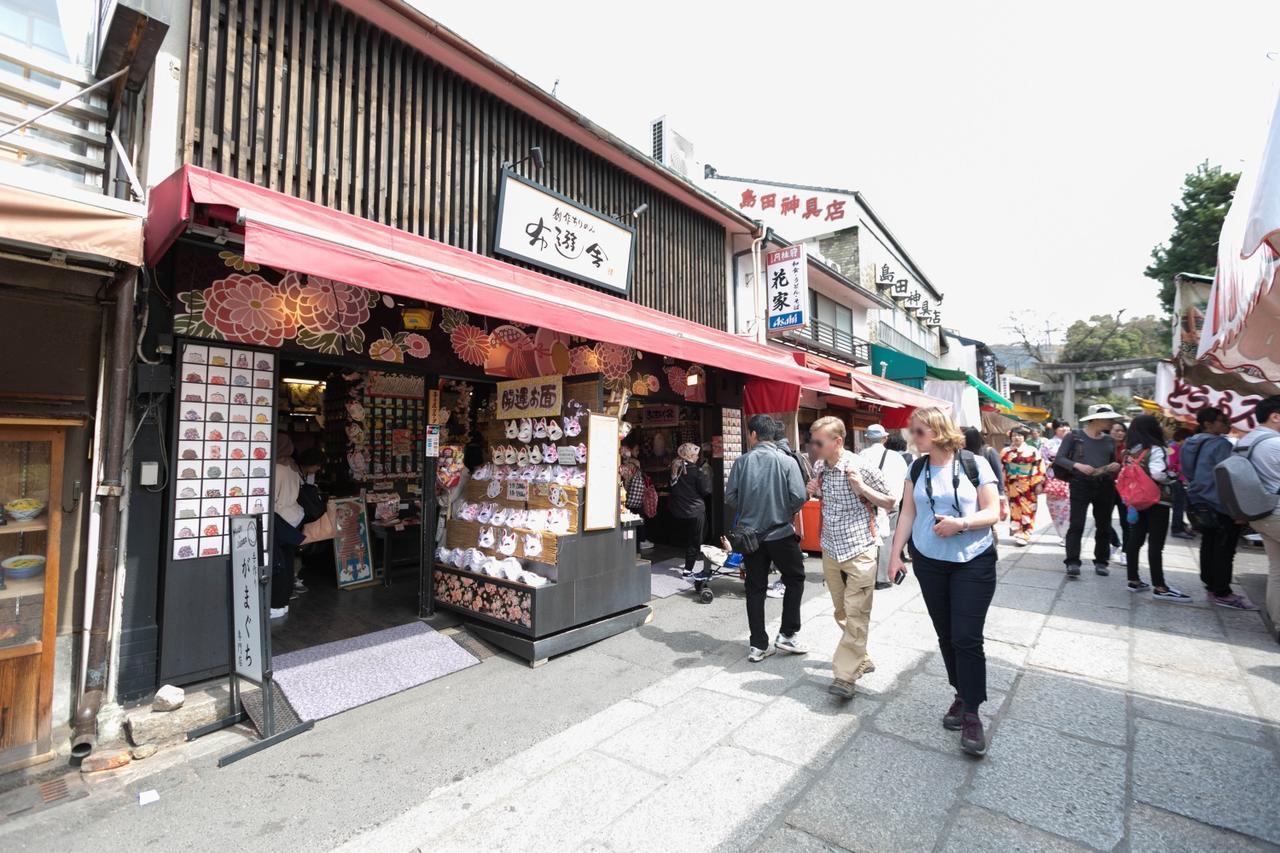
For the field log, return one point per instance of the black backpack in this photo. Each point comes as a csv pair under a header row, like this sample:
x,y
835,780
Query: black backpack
x,y
968,462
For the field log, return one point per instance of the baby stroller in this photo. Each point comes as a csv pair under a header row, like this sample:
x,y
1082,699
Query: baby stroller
x,y
716,562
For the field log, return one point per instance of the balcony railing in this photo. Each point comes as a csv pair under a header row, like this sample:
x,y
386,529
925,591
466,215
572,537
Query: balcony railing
x,y
894,339
827,339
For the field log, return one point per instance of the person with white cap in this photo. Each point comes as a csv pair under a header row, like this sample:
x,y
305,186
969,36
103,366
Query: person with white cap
x,y
893,467
1087,459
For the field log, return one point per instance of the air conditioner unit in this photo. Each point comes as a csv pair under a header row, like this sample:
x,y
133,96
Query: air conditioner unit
x,y
673,150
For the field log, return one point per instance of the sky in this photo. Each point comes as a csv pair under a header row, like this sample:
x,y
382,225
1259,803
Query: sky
x,y
1027,159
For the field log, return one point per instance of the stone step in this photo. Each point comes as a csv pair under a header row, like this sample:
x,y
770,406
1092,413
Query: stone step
x,y
205,702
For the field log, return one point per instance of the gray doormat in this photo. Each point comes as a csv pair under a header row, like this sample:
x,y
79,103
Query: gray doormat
x,y
328,679
285,717
665,579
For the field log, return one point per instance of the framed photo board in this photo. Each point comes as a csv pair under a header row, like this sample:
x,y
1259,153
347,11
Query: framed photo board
x,y
602,500
352,555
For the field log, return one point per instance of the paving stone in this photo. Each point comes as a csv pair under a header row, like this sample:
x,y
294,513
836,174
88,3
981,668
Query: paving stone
x,y
1093,657
1196,703
759,682
1189,655
1034,577
1055,783
909,628
723,802
1213,779
875,796
1180,619
1099,591
1026,598
672,687
1079,618
1157,831
892,663
1096,711
556,812
805,726
977,830
915,710
794,841
1008,625
578,738
671,738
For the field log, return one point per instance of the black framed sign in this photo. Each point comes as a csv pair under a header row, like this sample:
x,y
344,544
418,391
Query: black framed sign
x,y
549,230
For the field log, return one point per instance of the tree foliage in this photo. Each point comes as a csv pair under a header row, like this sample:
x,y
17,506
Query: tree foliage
x,y
1197,223
1107,338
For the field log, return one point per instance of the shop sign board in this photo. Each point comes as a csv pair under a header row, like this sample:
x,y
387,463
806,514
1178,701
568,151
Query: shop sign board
x,y
1186,399
662,415
787,281
549,230
538,397
602,506
352,554
248,576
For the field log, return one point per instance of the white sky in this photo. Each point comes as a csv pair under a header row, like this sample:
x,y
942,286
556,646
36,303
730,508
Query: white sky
x,y
1027,159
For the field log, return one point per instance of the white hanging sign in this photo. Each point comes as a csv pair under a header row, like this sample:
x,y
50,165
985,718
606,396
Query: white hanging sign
x,y
787,280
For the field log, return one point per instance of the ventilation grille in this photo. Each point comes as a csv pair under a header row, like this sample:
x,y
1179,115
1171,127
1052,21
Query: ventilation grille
x,y
657,127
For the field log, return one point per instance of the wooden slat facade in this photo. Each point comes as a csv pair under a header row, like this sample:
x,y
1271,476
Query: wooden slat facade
x,y
303,97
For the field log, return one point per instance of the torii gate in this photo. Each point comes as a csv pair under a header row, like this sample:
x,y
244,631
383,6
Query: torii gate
x,y
1070,370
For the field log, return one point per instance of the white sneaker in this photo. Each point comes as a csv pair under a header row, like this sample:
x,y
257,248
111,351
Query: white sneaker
x,y
790,644
279,612
757,655
646,545
777,589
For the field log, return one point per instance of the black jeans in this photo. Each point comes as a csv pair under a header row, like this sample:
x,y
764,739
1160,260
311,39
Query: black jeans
x,y
288,538
957,596
1219,536
1121,541
691,533
1101,494
1151,527
1178,521
785,554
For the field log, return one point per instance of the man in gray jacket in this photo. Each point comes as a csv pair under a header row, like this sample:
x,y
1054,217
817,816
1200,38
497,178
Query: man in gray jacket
x,y
766,490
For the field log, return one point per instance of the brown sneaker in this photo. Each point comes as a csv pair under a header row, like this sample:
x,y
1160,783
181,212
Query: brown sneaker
x,y
842,689
973,739
952,720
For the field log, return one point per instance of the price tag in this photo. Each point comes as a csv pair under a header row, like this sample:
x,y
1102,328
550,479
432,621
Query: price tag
x,y
517,490
431,441
565,456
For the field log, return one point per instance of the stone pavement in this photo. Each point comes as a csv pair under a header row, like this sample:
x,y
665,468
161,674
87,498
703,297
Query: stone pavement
x,y
1118,722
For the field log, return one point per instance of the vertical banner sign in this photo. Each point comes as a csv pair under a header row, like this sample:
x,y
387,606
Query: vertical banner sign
x,y
787,280
246,568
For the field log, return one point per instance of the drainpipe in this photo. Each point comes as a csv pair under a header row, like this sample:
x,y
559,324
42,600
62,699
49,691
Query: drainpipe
x,y
759,293
85,732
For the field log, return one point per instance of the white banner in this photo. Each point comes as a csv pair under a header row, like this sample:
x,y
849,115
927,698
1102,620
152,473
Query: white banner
x,y
787,280
1185,399
551,231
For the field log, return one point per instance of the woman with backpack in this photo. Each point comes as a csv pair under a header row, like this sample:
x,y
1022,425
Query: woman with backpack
x,y
949,505
1147,456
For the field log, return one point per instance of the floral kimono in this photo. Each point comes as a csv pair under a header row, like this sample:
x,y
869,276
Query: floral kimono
x,y
1057,491
1023,478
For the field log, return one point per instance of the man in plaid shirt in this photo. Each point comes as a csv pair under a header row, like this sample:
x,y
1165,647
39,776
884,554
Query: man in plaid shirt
x,y
850,493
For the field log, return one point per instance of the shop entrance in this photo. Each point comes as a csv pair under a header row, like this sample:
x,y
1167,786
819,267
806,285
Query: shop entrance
x,y
356,437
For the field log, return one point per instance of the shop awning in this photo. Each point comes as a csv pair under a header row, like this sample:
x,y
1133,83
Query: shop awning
x,y
1031,414
40,211
290,234
866,387
899,367
962,376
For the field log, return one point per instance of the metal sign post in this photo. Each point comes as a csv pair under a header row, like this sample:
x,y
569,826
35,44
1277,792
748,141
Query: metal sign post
x,y
249,638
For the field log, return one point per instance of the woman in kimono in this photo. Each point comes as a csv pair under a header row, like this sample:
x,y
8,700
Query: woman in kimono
x,y
1023,480
1057,491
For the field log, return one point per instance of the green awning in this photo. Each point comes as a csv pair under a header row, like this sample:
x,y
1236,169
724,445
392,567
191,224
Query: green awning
x,y
961,376
898,366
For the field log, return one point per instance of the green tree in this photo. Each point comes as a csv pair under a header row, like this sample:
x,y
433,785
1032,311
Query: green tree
x,y
1197,223
1106,338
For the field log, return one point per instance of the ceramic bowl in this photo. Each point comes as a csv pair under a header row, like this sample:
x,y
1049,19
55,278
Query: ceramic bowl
x,y
24,509
23,566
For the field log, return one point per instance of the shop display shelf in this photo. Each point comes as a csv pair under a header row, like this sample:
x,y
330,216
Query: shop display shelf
x,y
33,526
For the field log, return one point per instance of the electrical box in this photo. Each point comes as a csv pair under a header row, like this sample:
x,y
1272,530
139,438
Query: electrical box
x,y
153,379
149,474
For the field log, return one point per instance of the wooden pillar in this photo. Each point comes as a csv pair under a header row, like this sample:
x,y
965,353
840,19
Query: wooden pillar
x,y
1069,397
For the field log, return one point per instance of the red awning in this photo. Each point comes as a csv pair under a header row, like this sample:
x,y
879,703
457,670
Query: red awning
x,y
895,392
290,234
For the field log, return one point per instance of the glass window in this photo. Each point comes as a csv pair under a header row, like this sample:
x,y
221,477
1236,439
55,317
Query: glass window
x,y
844,319
25,468
62,28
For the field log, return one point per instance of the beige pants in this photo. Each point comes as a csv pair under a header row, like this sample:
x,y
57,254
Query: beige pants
x,y
852,585
1269,528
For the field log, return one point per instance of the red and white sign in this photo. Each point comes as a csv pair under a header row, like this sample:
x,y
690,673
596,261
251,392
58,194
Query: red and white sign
x,y
1186,399
787,288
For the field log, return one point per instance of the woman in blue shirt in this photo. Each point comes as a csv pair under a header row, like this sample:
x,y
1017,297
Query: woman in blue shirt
x,y
949,507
